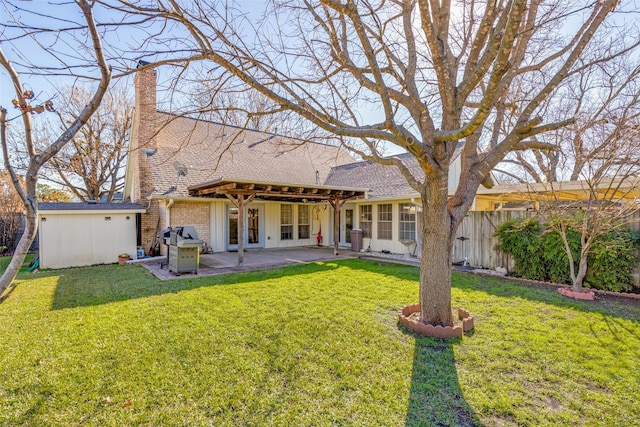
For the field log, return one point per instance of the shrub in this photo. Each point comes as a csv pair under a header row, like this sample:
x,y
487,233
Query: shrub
x,y
556,261
612,261
521,239
539,254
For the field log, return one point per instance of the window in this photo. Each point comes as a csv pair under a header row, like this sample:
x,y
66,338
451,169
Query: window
x,y
303,221
366,218
385,216
286,222
407,221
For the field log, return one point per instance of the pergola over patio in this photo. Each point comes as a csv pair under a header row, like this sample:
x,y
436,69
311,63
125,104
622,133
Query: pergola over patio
x,y
242,192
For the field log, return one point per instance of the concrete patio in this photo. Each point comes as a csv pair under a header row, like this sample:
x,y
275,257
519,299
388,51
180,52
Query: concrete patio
x,y
254,259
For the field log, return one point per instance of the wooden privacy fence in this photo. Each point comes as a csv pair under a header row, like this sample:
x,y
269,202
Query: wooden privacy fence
x,y
475,241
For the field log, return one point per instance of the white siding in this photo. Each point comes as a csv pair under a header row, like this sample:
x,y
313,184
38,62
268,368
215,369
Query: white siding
x,y
85,238
394,245
455,169
218,229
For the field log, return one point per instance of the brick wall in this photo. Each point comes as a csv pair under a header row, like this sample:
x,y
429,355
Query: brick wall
x,y
150,225
192,213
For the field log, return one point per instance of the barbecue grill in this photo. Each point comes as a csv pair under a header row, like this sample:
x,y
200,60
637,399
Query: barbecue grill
x,y
184,249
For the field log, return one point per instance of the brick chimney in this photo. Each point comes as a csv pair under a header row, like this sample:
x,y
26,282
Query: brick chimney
x,y
145,105
142,148
143,143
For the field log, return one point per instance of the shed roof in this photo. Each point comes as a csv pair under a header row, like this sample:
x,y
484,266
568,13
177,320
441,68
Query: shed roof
x,y
115,206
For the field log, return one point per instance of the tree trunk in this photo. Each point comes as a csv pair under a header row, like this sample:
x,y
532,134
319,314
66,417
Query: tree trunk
x,y
31,227
582,269
435,265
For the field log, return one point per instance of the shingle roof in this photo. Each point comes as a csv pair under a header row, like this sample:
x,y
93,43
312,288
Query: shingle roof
x,y
213,151
382,181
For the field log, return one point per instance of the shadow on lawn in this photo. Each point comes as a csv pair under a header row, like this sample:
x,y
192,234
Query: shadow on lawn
x,y
83,287
436,398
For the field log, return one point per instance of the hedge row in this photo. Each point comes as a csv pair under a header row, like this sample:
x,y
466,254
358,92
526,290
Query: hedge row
x,y
539,254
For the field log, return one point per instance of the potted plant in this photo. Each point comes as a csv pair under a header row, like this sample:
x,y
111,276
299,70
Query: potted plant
x,y
123,258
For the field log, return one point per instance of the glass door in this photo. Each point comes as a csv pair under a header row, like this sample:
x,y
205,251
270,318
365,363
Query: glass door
x,y
346,225
253,223
253,226
232,228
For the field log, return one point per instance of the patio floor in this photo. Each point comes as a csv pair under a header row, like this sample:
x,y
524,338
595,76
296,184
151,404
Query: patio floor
x,y
254,259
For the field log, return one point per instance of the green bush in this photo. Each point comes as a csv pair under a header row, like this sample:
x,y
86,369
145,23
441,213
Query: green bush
x,y
539,254
521,239
612,261
555,256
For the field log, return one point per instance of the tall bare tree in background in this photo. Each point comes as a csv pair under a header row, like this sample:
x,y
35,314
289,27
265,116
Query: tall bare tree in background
x,y
605,101
10,213
91,165
597,157
606,169
87,40
435,78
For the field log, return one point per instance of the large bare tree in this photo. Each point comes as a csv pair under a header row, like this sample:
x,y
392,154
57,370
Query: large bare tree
x,y
605,170
91,165
10,213
89,41
605,101
436,78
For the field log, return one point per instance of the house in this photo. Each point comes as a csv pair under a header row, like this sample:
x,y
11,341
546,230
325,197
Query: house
x,y
289,192
242,188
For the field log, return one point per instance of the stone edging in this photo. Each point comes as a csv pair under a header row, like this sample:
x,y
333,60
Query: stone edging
x,y
435,331
583,295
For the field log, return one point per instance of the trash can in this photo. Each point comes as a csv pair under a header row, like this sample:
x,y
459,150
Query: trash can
x,y
356,239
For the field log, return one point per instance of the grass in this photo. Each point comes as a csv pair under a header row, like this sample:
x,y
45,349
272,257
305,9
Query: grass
x,y
312,345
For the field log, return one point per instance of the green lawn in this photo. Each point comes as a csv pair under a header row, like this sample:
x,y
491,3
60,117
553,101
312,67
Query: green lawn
x,y
314,345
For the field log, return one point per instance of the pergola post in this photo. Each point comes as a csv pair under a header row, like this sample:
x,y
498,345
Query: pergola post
x,y
240,203
336,204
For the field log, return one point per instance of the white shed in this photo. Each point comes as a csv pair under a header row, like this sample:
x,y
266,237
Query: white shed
x,y
77,234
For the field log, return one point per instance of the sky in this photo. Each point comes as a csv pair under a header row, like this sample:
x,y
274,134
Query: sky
x,y
41,12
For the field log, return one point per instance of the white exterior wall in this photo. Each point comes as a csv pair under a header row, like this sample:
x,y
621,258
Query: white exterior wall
x,y
455,169
394,245
79,238
319,217
218,229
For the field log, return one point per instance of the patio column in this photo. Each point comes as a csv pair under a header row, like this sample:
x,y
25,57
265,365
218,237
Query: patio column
x,y
336,204
240,202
